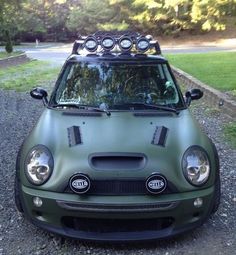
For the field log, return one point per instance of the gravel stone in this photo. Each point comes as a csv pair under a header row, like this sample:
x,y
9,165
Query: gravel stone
x,y
19,113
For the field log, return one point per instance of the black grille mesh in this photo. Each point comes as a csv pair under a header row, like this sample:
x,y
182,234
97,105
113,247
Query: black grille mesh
x,y
121,187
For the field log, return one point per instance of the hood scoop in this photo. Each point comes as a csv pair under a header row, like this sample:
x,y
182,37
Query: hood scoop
x,y
160,135
117,161
74,136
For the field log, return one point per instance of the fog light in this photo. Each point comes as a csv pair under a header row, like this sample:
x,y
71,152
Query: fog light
x,y
198,202
37,201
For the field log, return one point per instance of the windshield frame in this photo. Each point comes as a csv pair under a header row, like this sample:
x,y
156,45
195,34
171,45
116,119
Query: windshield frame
x,y
117,60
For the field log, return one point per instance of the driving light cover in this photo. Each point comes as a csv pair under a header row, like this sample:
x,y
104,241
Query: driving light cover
x,y
38,165
196,165
91,44
142,44
108,43
125,43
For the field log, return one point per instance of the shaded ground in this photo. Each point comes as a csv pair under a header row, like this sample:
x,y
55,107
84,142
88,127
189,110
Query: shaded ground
x,y
17,236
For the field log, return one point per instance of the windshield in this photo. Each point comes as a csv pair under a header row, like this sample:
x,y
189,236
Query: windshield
x,y
111,85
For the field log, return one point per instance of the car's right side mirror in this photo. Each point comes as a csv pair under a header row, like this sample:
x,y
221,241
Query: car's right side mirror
x,y
193,94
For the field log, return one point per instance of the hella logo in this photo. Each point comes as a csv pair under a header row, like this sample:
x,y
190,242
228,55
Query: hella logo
x,y
156,184
79,183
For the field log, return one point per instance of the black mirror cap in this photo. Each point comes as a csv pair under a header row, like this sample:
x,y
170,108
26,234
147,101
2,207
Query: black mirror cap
x,y
194,94
39,93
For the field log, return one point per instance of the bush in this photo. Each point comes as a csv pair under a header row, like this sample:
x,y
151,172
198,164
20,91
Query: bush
x,y
8,46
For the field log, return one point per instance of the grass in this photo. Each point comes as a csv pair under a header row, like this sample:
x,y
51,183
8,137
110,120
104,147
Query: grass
x,y
6,55
230,133
29,75
215,69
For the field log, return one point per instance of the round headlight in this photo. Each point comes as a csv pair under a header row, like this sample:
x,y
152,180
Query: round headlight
x,y
39,165
91,44
108,43
196,165
125,43
142,44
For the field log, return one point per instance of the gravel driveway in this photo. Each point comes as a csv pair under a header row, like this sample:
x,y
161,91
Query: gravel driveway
x,y
217,236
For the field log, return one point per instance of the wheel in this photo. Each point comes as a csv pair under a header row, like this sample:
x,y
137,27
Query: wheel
x,y
217,196
18,202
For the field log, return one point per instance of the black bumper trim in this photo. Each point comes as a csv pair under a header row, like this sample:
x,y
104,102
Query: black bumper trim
x,y
118,236
117,208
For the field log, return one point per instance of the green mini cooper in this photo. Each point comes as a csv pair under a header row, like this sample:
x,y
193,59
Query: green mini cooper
x,y
116,154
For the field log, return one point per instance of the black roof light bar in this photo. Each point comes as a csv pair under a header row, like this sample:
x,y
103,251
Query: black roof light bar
x,y
106,41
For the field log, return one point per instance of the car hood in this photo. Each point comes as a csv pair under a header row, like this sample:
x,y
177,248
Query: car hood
x,y
78,140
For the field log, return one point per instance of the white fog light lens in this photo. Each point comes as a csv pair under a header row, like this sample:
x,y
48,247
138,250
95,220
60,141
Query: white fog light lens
x,y
196,166
38,202
108,43
91,44
142,44
38,165
125,43
198,202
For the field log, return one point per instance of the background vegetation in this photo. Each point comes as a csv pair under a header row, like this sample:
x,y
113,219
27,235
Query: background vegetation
x,y
62,20
216,69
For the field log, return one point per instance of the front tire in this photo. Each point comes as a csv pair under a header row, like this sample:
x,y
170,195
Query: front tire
x,y
18,202
217,196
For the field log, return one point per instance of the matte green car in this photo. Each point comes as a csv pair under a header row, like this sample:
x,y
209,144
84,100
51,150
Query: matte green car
x,y
116,154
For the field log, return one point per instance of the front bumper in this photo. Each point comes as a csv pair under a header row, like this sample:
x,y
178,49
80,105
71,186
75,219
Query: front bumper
x,y
117,218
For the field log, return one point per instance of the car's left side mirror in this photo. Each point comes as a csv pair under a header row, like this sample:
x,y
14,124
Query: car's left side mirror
x,y
39,93
193,94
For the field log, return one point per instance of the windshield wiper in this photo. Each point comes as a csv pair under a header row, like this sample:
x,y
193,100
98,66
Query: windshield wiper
x,y
151,106
84,107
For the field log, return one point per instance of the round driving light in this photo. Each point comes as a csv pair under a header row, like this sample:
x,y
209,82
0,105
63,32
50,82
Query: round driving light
x,y
125,43
198,202
196,165
108,43
79,183
38,202
156,184
142,44
91,44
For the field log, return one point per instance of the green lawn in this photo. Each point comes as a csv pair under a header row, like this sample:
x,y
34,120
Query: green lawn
x,y
4,54
230,133
29,75
217,69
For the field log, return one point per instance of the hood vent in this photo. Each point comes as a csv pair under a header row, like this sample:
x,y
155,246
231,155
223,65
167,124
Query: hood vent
x,y
74,136
159,137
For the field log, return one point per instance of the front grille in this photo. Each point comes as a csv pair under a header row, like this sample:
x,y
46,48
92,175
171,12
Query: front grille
x,y
116,225
121,187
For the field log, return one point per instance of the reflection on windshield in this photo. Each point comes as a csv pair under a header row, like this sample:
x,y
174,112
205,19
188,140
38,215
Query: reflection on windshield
x,y
105,86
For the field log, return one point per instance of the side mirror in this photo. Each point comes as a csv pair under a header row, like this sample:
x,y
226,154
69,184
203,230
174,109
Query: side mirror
x,y
39,93
193,94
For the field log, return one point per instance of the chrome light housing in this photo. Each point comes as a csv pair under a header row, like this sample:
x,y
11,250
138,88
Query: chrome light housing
x,y
108,43
142,44
39,165
125,43
196,165
91,44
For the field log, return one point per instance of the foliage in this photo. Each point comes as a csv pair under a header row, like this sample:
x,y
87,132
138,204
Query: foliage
x,y
62,19
209,67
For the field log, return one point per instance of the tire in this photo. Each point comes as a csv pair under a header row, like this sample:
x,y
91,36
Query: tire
x,y
217,196
18,202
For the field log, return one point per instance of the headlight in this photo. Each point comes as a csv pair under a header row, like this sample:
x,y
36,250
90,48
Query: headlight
x,y
38,165
196,165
